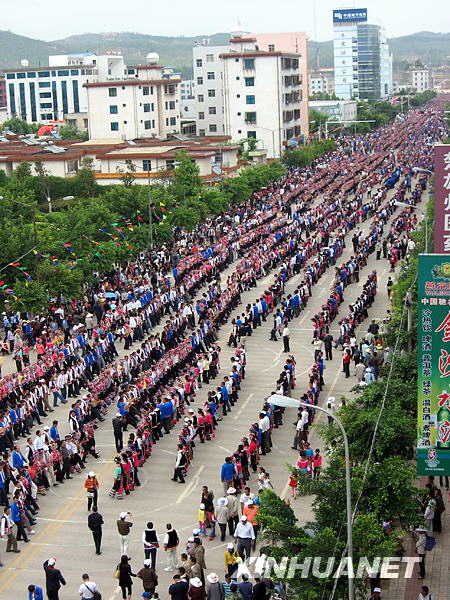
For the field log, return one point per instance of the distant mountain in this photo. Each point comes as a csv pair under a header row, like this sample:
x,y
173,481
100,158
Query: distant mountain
x,y
433,48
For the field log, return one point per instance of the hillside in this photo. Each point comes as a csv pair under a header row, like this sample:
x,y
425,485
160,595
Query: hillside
x,y
430,47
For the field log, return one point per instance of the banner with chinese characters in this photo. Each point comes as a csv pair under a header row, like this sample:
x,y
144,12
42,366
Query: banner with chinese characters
x,y
442,198
433,351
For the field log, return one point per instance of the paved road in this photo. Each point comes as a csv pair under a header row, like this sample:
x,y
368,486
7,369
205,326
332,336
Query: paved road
x,y
62,529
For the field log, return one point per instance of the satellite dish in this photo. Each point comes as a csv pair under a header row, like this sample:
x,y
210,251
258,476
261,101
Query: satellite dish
x,y
217,170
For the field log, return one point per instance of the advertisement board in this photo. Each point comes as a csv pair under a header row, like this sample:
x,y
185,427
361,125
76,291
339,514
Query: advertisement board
x,y
350,15
433,353
442,199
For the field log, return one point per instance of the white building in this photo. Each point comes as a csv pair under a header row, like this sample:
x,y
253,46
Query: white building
x,y
40,94
362,63
261,93
208,89
321,82
146,106
337,110
420,80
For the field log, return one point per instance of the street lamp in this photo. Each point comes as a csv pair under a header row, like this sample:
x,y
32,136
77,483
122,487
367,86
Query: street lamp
x,y
272,131
33,209
278,400
49,200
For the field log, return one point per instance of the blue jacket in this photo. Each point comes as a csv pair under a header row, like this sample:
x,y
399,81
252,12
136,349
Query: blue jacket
x,y
37,594
227,473
15,515
18,460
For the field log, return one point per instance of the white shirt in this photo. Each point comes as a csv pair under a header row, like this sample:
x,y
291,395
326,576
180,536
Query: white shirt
x,y
87,593
244,530
286,332
244,498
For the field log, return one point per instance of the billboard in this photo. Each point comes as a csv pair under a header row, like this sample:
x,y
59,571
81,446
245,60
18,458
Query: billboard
x,y
442,199
433,353
350,15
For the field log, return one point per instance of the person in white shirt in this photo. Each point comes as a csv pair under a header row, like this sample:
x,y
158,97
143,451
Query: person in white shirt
x,y
264,425
245,497
87,588
425,593
244,536
286,335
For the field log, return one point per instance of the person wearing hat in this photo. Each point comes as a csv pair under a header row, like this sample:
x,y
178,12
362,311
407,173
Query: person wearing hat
x,y
233,514
244,536
214,590
178,590
148,576
231,559
221,515
124,524
376,594
420,549
196,589
92,485
95,522
53,579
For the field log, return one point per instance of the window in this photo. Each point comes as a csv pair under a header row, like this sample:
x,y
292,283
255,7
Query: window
x,y
31,74
46,116
147,124
199,80
115,126
44,84
213,128
146,90
211,93
271,47
249,81
211,75
76,98
173,120
64,73
44,74
238,78
251,134
147,107
238,95
54,97
10,75
124,105
33,101
201,132
200,98
146,162
250,117
112,92
74,72
21,75
170,164
64,97
201,115
113,110
212,110
45,95
249,63
172,105
86,123
46,105
199,62
250,99
210,58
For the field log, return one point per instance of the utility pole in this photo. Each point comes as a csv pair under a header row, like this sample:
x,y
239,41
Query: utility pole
x,y
36,244
407,303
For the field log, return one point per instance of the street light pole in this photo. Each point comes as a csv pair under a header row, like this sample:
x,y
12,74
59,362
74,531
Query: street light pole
x,y
150,211
279,400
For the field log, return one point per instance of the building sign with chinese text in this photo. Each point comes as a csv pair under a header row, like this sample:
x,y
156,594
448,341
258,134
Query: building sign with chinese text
x,y
350,15
442,199
433,350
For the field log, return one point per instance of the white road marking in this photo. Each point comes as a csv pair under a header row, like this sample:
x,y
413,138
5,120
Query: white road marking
x,y
190,486
250,396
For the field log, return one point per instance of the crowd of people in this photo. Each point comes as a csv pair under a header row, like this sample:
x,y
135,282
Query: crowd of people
x,y
297,227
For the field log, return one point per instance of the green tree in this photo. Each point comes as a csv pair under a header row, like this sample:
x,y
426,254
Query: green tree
x,y
44,180
127,175
317,119
17,125
69,132
85,179
31,296
186,177
22,171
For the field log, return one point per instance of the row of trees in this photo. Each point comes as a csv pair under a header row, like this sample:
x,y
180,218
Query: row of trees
x,y
21,127
383,484
104,226
305,155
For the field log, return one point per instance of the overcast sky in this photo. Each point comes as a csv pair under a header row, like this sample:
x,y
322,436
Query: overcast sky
x,y
55,19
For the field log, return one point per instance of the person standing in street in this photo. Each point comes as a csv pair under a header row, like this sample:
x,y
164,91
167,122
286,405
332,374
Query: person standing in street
x,y
125,575
179,588
328,345
88,588
92,485
286,337
95,522
150,539
6,530
119,424
170,543
244,536
148,576
227,473
425,593
53,579
420,549
124,524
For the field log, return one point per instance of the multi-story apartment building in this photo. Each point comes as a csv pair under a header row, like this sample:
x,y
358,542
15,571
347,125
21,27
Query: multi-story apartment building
x,y
362,63
420,79
321,82
208,89
146,105
261,92
40,94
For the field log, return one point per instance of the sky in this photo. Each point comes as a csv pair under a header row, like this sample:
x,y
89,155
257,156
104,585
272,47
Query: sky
x,y
48,19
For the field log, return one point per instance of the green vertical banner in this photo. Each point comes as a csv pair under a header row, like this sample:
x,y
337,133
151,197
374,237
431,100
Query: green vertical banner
x,y
433,354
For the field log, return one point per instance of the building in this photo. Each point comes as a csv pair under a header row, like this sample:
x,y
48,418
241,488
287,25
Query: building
x,y
362,63
336,110
3,99
261,92
209,66
40,94
145,104
153,159
420,79
321,82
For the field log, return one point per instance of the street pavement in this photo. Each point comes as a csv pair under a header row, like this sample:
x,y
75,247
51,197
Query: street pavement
x,y
62,530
